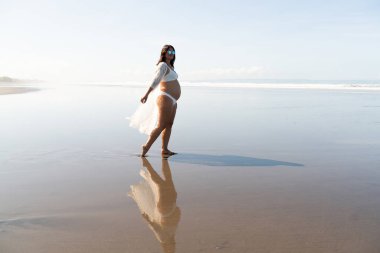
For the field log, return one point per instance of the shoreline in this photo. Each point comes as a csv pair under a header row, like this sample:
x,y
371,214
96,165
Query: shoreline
x,y
6,90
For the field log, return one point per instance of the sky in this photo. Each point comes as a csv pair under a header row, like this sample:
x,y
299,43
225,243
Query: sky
x,y
121,40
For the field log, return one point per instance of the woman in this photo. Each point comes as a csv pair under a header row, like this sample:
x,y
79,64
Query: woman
x,y
159,116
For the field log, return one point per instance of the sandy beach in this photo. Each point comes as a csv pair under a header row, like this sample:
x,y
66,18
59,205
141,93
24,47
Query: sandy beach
x,y
258,170
15,90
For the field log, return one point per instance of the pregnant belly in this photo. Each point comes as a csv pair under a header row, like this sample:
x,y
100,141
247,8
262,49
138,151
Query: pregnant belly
x,y
171,87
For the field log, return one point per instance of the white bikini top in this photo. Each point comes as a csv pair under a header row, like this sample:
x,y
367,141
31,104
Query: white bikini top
x,y
161,75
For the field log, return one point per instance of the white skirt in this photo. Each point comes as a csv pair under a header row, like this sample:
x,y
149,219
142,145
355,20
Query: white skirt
x,y
146,116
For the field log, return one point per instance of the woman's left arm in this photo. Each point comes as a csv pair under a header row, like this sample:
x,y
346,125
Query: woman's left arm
x,y
145,97
162,68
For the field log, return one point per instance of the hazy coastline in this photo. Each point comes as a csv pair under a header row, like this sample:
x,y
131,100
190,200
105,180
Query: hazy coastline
x,y
15,90
10,85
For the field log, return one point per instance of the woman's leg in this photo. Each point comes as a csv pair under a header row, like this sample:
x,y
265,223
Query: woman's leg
x,y
167,131
165,105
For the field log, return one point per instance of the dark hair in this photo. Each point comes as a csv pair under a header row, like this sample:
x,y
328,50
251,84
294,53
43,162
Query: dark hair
x,y
164,49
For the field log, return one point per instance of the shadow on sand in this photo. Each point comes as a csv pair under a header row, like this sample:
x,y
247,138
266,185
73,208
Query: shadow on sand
x,y
227,160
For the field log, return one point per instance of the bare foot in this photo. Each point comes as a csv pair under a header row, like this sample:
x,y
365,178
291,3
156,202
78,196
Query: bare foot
x,y
144,151
168,152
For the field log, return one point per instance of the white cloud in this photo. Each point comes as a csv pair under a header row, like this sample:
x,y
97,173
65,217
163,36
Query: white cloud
x,y
215,73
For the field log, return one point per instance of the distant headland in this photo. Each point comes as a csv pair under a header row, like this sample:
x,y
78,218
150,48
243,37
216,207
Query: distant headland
x,y
7,79
15,86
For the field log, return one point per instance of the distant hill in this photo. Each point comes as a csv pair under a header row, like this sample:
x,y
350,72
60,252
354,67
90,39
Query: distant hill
x,y
7,79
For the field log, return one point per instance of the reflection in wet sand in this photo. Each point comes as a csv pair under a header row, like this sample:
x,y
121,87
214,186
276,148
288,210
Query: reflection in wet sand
x,y
156,198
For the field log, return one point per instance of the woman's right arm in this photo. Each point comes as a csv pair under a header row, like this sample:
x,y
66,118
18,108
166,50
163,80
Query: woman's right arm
x,y
160,73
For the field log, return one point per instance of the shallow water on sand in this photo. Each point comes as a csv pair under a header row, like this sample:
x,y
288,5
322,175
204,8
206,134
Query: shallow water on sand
x,y
258,170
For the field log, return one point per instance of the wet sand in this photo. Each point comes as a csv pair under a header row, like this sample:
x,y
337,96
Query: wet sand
x,y
281,171
15,90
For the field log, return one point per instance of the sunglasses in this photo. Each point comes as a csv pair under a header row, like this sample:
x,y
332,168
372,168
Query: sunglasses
x,y
171,52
